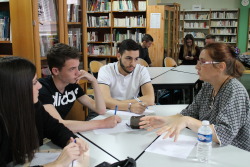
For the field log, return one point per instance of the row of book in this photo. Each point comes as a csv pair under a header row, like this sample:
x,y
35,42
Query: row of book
x,y
200,43
5,28
46,42
222,23
196,34
99,49
196,16
133,21
196,25
229,39
98,21
74,11
74,37
128,5
98,5
119,37
224,15
225,31
92,36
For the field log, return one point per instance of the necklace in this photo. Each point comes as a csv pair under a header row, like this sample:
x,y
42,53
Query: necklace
x,y
212,98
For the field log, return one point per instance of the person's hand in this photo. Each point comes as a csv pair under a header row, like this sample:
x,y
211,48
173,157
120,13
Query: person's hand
x,y
175,124
112,121
138,107
152,122
83,146
187,57
85,75
69,153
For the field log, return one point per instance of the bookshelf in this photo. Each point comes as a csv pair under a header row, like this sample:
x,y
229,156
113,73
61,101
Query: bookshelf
x,y
108,22
196,23
224,25
5,33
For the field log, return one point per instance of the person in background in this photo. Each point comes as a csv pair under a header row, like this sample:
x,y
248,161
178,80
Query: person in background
x,y
223,101
60,91
189,52
147,41
210,38
121,82
25,123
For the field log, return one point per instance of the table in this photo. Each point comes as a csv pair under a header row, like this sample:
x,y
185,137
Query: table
x,y
229,156
154,72
186,69
176,80
134,143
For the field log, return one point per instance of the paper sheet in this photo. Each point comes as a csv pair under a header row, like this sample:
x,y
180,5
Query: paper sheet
x,y
120,127
44,158
146,112
180,149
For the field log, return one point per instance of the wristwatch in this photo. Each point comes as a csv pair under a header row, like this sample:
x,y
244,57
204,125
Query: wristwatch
x,y
129,106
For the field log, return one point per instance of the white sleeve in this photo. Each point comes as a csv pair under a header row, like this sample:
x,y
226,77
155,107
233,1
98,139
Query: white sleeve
x,y
103,75
145,77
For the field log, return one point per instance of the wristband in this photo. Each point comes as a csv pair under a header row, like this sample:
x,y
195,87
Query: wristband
x,y
129,106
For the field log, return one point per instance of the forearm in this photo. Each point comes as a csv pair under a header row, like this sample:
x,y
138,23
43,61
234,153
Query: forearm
x,y
122,105
195,124
149,100
82,126
100,106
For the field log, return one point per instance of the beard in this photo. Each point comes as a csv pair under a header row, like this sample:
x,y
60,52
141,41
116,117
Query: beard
x,y
124,68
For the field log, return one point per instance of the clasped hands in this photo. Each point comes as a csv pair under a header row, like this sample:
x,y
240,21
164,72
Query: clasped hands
x,y
170,124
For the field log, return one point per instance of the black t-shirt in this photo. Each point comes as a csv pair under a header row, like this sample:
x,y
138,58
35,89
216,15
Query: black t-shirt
x,y
46,125
63,102
144,54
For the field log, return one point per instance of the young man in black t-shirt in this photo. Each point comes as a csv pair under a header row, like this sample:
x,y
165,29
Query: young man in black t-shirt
x,y
60,90
147,41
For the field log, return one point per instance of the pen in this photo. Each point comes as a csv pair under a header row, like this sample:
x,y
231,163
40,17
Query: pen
x,y
73,160
116,109
136,98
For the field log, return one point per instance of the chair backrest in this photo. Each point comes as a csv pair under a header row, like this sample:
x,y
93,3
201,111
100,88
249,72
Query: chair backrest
x,y
142,62
95,66
169,62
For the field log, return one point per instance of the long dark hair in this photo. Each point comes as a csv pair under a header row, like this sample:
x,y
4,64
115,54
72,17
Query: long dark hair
x,y
222,52
17,112
189,48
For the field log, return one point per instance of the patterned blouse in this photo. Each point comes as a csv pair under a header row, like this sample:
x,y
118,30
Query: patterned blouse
x,y
229,112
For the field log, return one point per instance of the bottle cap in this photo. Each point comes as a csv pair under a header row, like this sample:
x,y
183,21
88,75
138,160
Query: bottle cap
x,y
205,122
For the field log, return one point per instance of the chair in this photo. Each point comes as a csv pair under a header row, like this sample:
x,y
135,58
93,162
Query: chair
x,y
142,62
94,67
169,62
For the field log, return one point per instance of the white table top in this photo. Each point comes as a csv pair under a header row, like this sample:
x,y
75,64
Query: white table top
x,y
156,71
175,77
229,156
186,68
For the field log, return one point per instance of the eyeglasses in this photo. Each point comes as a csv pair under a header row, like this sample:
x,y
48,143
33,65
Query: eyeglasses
x,y
200,62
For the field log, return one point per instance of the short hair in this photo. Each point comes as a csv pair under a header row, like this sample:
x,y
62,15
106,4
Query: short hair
x,y
59,53
222,52
147,38
128,45
210,36
16,86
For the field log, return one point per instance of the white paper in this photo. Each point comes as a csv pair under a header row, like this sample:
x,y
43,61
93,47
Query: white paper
x,y
180,149
119,113
44,158
119,128
155,20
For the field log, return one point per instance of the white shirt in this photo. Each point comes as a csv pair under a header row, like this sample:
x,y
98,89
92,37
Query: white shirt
x,y
123,87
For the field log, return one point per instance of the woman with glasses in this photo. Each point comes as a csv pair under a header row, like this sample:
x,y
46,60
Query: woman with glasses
x,y
223,101
23,120
189,52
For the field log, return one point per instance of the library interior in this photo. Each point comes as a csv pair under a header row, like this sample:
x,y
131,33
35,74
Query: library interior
x,y
176,39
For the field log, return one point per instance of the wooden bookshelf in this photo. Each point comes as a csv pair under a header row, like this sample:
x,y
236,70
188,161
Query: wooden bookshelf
x,y
107,25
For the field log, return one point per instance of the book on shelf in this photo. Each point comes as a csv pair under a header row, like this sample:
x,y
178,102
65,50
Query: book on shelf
x,y
4,26
98,5
132,21
98,21
99,50
74,36
47,10
73,11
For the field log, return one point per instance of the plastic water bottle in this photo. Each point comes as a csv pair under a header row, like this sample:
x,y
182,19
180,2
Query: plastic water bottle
x,y
204,147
